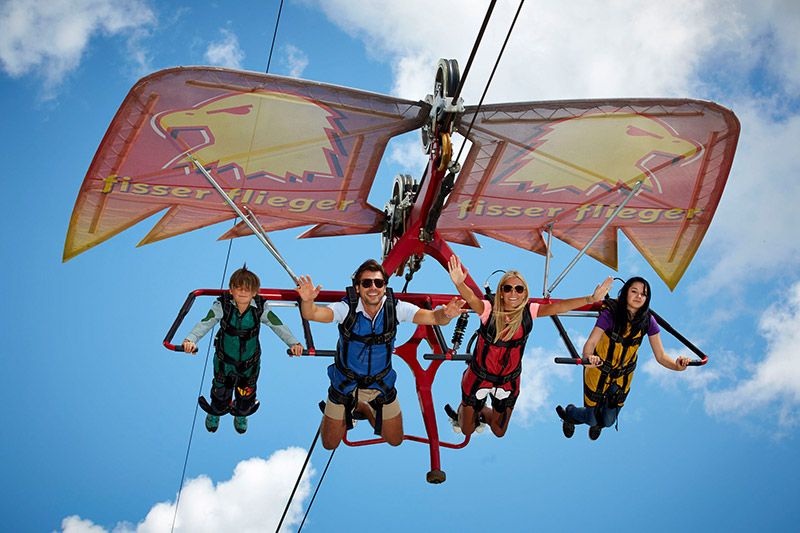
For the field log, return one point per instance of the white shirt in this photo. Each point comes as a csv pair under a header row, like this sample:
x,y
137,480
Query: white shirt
x,y
404,311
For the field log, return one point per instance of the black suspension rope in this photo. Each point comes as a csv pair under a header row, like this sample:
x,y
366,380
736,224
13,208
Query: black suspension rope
x,y
319,483
474,49
299,477
274,35
202,383
486,89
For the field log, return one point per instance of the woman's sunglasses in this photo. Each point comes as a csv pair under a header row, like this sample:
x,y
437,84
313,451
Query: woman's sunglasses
x,y
519,288
367,283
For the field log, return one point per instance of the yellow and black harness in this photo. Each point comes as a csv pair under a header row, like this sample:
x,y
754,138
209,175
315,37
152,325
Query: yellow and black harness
x,y
608,385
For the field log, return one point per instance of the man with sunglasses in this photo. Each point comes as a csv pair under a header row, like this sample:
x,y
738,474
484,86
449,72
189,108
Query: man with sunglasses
x,y
362,377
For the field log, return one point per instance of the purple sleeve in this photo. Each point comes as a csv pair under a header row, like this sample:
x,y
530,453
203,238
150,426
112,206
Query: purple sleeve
x,y
605,321
653,329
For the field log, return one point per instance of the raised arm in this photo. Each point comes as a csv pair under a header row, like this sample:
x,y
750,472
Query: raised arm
x,y
458,274
562,306
441,315
308,309
663,359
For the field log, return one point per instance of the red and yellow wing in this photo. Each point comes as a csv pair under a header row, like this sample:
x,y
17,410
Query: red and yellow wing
x,y
571,163
295,152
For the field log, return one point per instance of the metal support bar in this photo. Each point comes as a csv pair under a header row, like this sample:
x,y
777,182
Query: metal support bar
x,y
547,259
257,231
565,337
581,253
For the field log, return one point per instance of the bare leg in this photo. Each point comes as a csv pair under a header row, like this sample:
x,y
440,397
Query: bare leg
x,y
392,428
467,419
497,421
332,431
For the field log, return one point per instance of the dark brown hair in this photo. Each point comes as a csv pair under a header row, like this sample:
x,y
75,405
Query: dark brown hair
x,y
245,278
369,265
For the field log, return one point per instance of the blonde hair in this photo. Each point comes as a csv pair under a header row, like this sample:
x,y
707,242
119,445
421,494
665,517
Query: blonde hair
x,y
505,330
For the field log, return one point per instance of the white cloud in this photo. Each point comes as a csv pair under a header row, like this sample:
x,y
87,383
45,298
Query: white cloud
x,y
774,382
615,53
252,500
226,51
48,39
751,235
538,373
296,60
408,153
763,35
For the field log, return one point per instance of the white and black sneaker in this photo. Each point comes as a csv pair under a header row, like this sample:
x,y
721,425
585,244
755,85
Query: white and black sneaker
x,y
453,416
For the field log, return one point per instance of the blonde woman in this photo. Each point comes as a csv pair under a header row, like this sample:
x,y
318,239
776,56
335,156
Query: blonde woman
x,y
496,362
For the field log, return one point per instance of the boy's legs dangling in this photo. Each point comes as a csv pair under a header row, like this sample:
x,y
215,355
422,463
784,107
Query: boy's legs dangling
x,y
222,386
245,402
221,394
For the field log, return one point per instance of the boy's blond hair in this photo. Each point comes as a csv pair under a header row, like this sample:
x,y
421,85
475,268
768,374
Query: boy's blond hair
x,y
245,278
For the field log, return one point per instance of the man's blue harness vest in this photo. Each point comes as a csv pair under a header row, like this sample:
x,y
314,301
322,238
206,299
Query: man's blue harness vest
x,y
364,356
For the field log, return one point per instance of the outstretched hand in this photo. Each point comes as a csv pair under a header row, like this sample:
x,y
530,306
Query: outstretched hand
x,y
458,273
601,290
296,349
682,362
453,307
306,289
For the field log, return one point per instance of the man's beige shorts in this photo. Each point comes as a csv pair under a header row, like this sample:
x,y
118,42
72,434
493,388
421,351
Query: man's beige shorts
x,y
336,411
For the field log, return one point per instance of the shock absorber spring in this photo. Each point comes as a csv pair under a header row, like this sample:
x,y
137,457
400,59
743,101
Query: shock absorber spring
x,y
461,327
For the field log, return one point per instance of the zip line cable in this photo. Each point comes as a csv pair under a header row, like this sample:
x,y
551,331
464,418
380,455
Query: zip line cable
x,y
299,477
319,483
202,382
475,46
221,285
274,35
486,89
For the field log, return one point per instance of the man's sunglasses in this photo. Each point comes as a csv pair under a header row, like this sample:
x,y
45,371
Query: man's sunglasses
x,y
519,288
367,283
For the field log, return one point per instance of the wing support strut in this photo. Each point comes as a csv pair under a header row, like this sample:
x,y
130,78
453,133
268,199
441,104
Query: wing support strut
x,y
582,252
257,230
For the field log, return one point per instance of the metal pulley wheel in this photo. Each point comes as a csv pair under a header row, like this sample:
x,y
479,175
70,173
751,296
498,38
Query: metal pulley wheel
x,y
444,87
397,210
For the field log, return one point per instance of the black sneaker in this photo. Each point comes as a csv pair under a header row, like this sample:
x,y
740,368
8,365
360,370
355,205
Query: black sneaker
x,y
453,416
567,426
594,432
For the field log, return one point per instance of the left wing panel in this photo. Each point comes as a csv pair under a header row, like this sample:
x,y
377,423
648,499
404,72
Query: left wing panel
x,y
296,152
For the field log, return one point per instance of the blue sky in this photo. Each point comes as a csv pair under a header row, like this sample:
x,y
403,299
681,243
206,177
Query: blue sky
x,y
103,413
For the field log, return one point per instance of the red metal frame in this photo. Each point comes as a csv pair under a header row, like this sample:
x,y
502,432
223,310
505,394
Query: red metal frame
x,y
408,352
408,245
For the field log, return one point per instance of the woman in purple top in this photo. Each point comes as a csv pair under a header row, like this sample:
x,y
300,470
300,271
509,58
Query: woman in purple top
x,y
612,350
